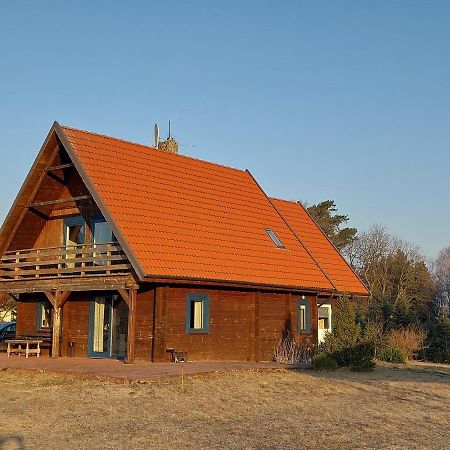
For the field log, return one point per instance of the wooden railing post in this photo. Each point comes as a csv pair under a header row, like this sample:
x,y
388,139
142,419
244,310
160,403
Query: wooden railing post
x,y
37,264
16,268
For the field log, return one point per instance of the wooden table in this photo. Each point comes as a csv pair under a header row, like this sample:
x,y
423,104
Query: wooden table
x,y
32,347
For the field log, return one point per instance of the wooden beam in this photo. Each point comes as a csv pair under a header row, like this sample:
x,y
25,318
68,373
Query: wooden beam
x,y
56,178
60,201
56,332
124,294
131,339
62,298
61,166
51,298
38,213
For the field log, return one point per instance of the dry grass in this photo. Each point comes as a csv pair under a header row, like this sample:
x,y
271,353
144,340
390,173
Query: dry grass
x,y
405,408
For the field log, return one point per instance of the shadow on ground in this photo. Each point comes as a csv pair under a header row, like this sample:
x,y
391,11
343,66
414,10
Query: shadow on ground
x,y
420,372
12,442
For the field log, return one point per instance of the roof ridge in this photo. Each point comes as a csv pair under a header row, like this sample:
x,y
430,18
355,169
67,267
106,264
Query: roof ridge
x,y
283,200
66,127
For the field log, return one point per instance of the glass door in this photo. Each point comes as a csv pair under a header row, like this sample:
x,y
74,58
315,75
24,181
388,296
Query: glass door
x,y
101,234
100,329
108,330
74,228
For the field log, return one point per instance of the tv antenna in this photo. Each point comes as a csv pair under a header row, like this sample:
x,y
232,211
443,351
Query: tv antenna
x,y
156,135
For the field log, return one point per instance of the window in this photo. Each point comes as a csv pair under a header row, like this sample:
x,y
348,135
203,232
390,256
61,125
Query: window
x,y
324,318
197,313
44,319
303,316
74,231
274,237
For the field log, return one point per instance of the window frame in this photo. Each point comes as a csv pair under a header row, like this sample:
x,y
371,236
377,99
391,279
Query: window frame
x,y
100,219
304,303
274,238
190,298
71,222
39,326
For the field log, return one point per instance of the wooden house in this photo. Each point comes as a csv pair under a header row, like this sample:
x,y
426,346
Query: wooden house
x,y
120,250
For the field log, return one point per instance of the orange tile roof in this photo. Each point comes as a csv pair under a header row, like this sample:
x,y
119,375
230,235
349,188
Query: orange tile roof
x,y
187,218
327,256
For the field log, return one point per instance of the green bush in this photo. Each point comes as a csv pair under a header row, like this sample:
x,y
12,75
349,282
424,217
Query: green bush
x,y
361,357
392,355
323,361
345,345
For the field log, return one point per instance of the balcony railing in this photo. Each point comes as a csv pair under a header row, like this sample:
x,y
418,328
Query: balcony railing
x,y
83,260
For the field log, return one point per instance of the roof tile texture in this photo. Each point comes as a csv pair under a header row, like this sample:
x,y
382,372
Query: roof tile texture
x,y
188,218
318,244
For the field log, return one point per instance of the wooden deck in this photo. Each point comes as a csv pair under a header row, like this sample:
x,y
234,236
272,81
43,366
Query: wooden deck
x,y
141,371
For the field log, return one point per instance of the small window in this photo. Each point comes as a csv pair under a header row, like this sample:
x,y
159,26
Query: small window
x,y
44,319
303,316
324,321
275,238
197,313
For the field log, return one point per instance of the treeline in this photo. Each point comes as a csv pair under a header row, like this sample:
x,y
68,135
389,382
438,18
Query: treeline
x,y
408,297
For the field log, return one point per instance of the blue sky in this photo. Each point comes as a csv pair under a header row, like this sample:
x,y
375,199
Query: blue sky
x,y
345,100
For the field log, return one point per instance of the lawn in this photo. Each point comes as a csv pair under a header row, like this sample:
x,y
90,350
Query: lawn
x,y
402,408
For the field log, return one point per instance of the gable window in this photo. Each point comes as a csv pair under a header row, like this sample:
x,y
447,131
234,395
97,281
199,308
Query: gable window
x,y
44,316
274,237
197,313
303,316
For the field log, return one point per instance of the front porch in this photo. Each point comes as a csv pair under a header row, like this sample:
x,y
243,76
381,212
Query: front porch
x,y
58,275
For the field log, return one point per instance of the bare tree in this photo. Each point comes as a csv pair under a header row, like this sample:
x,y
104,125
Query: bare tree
x,y
442,277
7,305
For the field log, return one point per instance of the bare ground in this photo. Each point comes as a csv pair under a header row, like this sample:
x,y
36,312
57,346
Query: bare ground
x,y
395,408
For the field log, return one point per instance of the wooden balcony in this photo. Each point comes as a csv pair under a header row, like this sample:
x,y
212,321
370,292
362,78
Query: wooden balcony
x,y
35,269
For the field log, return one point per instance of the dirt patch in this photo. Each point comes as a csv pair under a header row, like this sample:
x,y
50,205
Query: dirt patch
x,y
405,407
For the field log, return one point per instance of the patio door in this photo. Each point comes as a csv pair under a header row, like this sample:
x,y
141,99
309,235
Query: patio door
x,y
108,327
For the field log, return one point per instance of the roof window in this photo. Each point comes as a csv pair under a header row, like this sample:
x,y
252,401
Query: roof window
x,y
274,237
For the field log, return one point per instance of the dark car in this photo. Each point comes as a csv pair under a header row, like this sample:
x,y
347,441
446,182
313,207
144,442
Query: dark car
x,y
7,330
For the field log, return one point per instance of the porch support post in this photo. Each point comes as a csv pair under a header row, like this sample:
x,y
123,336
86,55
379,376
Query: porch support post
x,y
56,332
57,300
132,295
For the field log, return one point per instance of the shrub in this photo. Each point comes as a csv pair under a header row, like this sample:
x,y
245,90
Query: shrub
x,y
324,361
345,334
374,334
410,339
289,351
344,345
438,342
361,357
392,355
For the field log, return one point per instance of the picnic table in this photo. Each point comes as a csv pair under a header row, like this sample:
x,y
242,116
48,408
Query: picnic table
x,y
32,347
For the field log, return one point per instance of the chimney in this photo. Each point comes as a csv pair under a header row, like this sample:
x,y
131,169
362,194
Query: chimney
x,y
169,145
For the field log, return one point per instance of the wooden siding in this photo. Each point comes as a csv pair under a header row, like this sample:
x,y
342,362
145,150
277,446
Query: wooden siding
x,y
243,325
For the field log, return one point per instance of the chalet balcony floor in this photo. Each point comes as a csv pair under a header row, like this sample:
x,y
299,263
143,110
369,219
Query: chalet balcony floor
x,y
143,371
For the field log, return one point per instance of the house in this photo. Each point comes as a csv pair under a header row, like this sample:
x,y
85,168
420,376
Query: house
x,y
119,250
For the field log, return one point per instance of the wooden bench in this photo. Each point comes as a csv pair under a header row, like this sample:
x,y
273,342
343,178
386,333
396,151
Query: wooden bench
x,y
45,338
32,347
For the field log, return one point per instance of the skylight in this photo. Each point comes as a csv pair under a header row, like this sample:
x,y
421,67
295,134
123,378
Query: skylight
x,y
275,238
